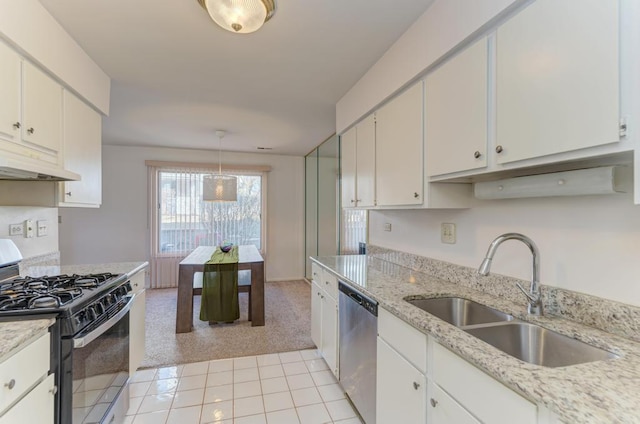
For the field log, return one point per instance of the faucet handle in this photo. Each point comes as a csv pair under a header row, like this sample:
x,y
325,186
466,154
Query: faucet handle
x,y
532,298
535,301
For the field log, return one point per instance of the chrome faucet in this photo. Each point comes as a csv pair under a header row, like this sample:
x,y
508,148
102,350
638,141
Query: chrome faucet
x,y
534,296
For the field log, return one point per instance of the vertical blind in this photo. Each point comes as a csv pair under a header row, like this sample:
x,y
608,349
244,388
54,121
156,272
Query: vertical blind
x,y
181,220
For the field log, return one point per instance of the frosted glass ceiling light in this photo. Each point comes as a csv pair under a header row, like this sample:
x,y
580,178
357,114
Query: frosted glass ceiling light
x,y
239,16
218,187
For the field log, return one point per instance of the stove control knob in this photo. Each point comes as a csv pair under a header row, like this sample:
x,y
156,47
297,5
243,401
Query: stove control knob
x,y
99,308
91,312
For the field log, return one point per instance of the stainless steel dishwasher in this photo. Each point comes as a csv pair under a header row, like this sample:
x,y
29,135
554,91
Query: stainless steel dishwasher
x,y
358,331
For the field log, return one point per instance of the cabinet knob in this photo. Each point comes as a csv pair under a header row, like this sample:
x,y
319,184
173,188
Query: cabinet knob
x,y
68,193
358,200
53,390
353,201
416,385
11,384
477,154
16,125
433,402
415,195
31,130
498,149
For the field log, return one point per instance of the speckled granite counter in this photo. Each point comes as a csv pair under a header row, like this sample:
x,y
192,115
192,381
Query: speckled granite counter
x,y
597,392
14,334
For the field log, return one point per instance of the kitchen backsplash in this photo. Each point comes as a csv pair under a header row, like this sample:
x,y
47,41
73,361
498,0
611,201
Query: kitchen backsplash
x,y
607,315
47,259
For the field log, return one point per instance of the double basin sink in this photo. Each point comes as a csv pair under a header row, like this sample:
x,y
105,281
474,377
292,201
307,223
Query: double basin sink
x,y
522,340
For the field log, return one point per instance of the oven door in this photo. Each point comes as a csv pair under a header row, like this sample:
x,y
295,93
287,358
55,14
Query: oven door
x,y
100,363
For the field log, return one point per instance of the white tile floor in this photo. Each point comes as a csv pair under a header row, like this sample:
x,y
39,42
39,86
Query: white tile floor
x,y
287,388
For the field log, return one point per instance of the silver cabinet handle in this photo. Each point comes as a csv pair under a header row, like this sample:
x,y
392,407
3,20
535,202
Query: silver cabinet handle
x,y
416,385
11,384
68,193
353,201
16,125
498,149
31,130
433,402
477,154
415,195
53,390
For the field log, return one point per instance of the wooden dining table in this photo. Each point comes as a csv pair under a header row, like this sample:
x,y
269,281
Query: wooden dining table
x,y
248,258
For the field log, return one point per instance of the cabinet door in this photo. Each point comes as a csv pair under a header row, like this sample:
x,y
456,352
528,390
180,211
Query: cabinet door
x,y
82,153
348,148
330,333
456,113
399,153
366,162
9,93
316,314
444,410
41,109
137,323
35,407
401,390
557,78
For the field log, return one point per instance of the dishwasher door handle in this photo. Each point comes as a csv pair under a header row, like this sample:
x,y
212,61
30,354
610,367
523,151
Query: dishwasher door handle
x,y
356,297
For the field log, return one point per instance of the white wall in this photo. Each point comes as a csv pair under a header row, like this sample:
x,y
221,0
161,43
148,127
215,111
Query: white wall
x,y
30,247
117,231
589,244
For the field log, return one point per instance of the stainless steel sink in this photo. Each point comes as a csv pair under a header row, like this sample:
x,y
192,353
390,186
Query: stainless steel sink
x,y
460,312
539,346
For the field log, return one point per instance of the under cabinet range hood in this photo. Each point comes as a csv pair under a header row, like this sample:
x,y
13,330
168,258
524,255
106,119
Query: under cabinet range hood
x,y
12,169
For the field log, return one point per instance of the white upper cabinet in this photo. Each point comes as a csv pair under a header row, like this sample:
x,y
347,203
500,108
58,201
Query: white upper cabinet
x,y
456,113
82,153
358,164
399,149
10,93
41,109
557,78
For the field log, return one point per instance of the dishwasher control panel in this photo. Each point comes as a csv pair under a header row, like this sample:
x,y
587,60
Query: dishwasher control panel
x,y
367,303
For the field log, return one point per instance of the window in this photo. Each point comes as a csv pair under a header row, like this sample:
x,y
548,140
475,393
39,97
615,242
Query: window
x,y
186,221
180,220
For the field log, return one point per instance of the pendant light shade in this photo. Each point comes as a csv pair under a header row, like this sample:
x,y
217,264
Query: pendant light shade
x,y
218,187
239,16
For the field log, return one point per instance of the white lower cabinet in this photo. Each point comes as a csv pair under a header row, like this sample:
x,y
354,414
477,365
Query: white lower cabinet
x,y
27,393
481,395
36,407
401,395
136,322
324,315
443,409
401,382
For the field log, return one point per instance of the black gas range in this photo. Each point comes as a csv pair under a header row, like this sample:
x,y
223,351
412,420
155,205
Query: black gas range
x,y
90,337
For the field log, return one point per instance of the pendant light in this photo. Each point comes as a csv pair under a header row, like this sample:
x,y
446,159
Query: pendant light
x,y
218,187
239,16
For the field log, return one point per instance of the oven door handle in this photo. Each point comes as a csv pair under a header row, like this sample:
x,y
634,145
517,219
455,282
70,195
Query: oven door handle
x,y
88,338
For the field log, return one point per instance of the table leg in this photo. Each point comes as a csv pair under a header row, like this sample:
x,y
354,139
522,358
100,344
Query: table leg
x,y
184,310
257,294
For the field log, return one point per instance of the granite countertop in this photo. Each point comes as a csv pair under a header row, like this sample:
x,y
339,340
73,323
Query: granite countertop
x,y
596,392
14,334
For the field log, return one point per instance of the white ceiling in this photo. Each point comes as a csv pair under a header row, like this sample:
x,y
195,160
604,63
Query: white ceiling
x,y
177,76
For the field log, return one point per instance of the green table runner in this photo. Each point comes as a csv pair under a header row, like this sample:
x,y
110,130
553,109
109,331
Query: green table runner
x,y
220,287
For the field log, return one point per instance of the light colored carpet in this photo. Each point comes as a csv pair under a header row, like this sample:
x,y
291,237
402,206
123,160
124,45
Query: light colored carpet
x,y
287,327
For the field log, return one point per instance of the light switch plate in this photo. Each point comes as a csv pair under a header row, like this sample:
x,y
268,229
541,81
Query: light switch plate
x,y
448,233
387,226
16,229
28,228
42,228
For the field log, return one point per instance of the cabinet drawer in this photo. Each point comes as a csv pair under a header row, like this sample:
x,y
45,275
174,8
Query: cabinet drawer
x,y
316,272
409,342
486,398
24,368
444,409
330,284
36,407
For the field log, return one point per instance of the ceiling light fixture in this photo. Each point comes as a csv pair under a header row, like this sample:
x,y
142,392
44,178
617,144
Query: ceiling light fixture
x,y
239,16
218,187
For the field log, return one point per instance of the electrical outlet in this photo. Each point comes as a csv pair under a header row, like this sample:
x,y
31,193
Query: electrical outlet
x,y
387,226
28,228
16,229
448,233
41,228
